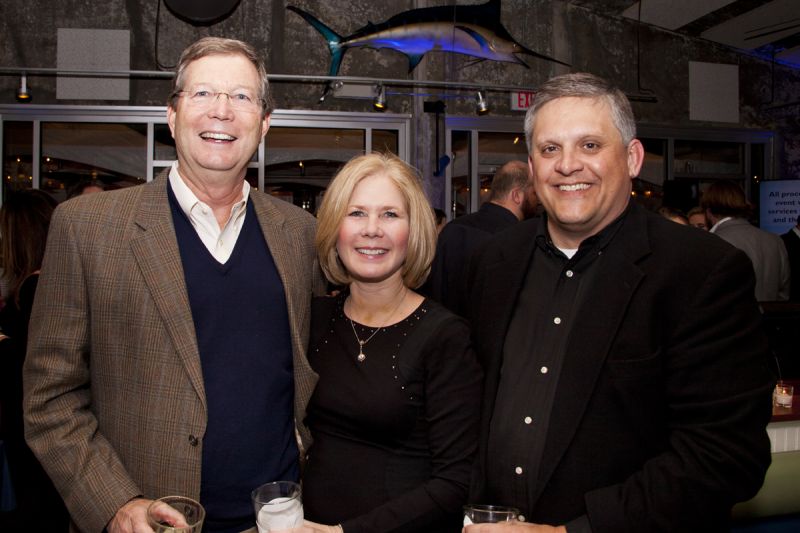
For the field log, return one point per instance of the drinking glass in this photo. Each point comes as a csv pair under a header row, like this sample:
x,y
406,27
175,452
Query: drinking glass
x,y
278,506
175,514
783,394
488,514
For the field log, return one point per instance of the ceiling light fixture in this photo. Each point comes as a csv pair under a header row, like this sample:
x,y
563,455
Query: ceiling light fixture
x,y
481,105
23,96
379,102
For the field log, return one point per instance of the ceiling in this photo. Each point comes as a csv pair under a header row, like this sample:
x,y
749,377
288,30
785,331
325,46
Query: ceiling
x,y
763,27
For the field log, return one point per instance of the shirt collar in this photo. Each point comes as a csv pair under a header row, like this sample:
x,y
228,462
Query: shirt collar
x,y
187,200
598,241
718,224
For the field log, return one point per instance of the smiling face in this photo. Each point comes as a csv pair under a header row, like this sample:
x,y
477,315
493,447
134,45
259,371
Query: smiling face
x,y
215,142
581,168
373,236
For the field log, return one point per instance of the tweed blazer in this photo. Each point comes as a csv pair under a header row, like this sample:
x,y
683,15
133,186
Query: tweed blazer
x,y
114,397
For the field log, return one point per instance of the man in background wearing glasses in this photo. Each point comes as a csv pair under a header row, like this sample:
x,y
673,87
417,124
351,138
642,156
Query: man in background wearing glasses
x,y
170,326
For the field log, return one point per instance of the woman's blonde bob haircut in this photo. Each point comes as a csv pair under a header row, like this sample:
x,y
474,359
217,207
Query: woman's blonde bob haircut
x,y
421,222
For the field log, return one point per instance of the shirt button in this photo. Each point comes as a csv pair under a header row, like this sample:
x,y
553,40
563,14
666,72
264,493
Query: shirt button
x,y
528,420
193,440
569,273
557,320
518,470
543,370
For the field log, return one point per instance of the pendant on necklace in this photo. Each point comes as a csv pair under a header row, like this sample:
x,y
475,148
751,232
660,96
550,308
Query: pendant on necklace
x,y
361,355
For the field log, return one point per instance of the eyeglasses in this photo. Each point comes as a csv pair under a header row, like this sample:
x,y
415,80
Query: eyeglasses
x,y
203,99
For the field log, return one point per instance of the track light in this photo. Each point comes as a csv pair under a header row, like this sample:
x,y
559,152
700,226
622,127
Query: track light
x,y
23,96
481,105
379,102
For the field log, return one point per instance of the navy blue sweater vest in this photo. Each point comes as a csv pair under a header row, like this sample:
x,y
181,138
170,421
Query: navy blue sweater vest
x,y
242,325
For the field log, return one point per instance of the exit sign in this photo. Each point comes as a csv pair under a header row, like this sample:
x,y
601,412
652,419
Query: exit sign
x,y
521,100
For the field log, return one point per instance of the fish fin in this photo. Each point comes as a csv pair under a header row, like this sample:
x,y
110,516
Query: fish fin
x,y
332,39
475,35
520,62
536,54
473,61
413,60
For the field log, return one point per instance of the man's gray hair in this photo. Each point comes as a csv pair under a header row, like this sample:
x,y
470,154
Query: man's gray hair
x,y
208,46
583,85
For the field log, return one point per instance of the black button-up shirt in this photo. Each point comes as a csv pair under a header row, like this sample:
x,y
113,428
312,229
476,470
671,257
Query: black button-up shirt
x,y
533,353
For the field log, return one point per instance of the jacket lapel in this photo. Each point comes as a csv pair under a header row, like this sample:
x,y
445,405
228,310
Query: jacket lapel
x,y
596,325
155,249
297,292
501,282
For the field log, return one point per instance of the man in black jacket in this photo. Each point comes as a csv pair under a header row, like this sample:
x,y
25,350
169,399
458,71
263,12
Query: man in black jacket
x,y
624,392
791,239
512,198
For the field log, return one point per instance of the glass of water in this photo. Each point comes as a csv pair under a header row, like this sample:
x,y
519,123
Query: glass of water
x,y
488,514
175,514
278,506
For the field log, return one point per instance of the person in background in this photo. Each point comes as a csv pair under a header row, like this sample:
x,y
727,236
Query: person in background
x,y
512,198
24,222
791,239
624,392
169,330
441,219
697,218
726,211
394,415
675,215
85,186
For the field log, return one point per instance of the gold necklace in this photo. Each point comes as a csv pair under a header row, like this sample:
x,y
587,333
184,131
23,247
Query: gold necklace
x,y
361,355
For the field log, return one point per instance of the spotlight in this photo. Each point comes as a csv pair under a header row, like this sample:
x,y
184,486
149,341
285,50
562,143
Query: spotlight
x,y
23,96
481,105
379,102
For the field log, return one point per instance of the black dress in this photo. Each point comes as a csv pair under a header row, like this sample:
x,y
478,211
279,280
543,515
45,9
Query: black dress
x,y
394,435
39,507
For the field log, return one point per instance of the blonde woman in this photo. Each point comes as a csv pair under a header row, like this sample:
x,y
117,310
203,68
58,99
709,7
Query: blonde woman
x,y
394,415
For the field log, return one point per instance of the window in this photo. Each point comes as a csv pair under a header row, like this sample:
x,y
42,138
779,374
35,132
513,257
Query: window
x,y
54,147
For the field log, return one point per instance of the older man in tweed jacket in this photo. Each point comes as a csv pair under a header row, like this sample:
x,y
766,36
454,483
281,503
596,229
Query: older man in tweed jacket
x,y
170,325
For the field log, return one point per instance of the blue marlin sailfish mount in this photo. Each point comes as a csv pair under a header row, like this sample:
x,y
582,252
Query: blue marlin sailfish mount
x,y
473,30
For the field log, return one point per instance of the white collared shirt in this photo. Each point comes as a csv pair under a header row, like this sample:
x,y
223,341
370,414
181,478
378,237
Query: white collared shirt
x,y
718,224
220,242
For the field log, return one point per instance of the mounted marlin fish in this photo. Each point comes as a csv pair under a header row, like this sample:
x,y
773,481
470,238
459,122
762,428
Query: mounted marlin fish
x,y
473,30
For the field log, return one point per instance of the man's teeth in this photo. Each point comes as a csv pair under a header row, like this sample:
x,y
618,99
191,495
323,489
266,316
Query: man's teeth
x,y
371,251
574,187
217,136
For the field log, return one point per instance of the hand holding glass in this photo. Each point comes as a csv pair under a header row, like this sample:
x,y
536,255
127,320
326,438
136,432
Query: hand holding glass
x,y
488,514
278,506
175,514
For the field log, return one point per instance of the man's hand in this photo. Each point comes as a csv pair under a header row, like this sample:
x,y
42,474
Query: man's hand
x,y
132,517
513,527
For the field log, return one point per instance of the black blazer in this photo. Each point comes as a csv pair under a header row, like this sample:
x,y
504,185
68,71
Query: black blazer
x,y
792,243
456,243
659,418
